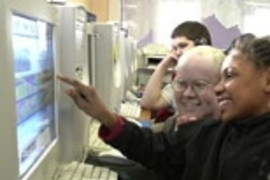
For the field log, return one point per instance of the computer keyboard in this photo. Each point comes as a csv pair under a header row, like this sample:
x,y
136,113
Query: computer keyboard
x,y
96,145
102,151
81,171
130,109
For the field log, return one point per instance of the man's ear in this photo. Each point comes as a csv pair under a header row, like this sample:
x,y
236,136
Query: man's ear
x,y
267,80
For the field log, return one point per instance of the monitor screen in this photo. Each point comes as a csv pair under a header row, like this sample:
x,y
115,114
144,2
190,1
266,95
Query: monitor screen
x,y
33,55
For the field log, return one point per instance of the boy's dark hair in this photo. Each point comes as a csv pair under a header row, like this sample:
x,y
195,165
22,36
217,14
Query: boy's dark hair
x,y
194,31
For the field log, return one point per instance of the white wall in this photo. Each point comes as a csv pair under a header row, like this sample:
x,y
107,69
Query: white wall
x,y
167,14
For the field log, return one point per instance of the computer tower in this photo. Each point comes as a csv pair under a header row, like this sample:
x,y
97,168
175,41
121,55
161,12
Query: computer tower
x,y
73,131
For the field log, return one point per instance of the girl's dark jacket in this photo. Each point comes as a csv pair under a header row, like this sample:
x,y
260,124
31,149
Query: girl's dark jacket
x,y
202,150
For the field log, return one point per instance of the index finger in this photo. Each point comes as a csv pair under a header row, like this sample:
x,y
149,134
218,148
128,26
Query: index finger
x,y
70,81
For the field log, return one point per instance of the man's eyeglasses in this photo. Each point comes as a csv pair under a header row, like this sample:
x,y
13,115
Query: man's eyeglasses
x,y
179,85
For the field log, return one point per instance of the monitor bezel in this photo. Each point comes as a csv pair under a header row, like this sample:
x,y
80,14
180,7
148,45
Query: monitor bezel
x,y
47,163
39,159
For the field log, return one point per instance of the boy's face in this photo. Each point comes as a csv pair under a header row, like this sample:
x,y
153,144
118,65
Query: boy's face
x,y
180,44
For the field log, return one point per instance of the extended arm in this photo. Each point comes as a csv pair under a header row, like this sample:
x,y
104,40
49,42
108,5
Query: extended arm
x,y
152,96
165,154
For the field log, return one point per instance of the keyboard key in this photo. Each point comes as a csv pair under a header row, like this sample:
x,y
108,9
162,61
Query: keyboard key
x,y
81,171
96,172
88,171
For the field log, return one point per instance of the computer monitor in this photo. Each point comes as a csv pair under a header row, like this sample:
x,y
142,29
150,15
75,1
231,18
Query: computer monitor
x,y
32,42
129,59
134,63
106,58
119,70
73,62
28,88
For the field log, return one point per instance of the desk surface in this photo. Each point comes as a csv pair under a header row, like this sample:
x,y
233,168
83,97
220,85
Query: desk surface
x,y
145,114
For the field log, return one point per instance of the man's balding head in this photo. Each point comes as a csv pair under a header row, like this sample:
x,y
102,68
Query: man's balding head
x,y
206,57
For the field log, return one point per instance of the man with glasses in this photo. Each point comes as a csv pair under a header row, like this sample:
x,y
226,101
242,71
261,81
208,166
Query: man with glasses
x,y
197,72
184,37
